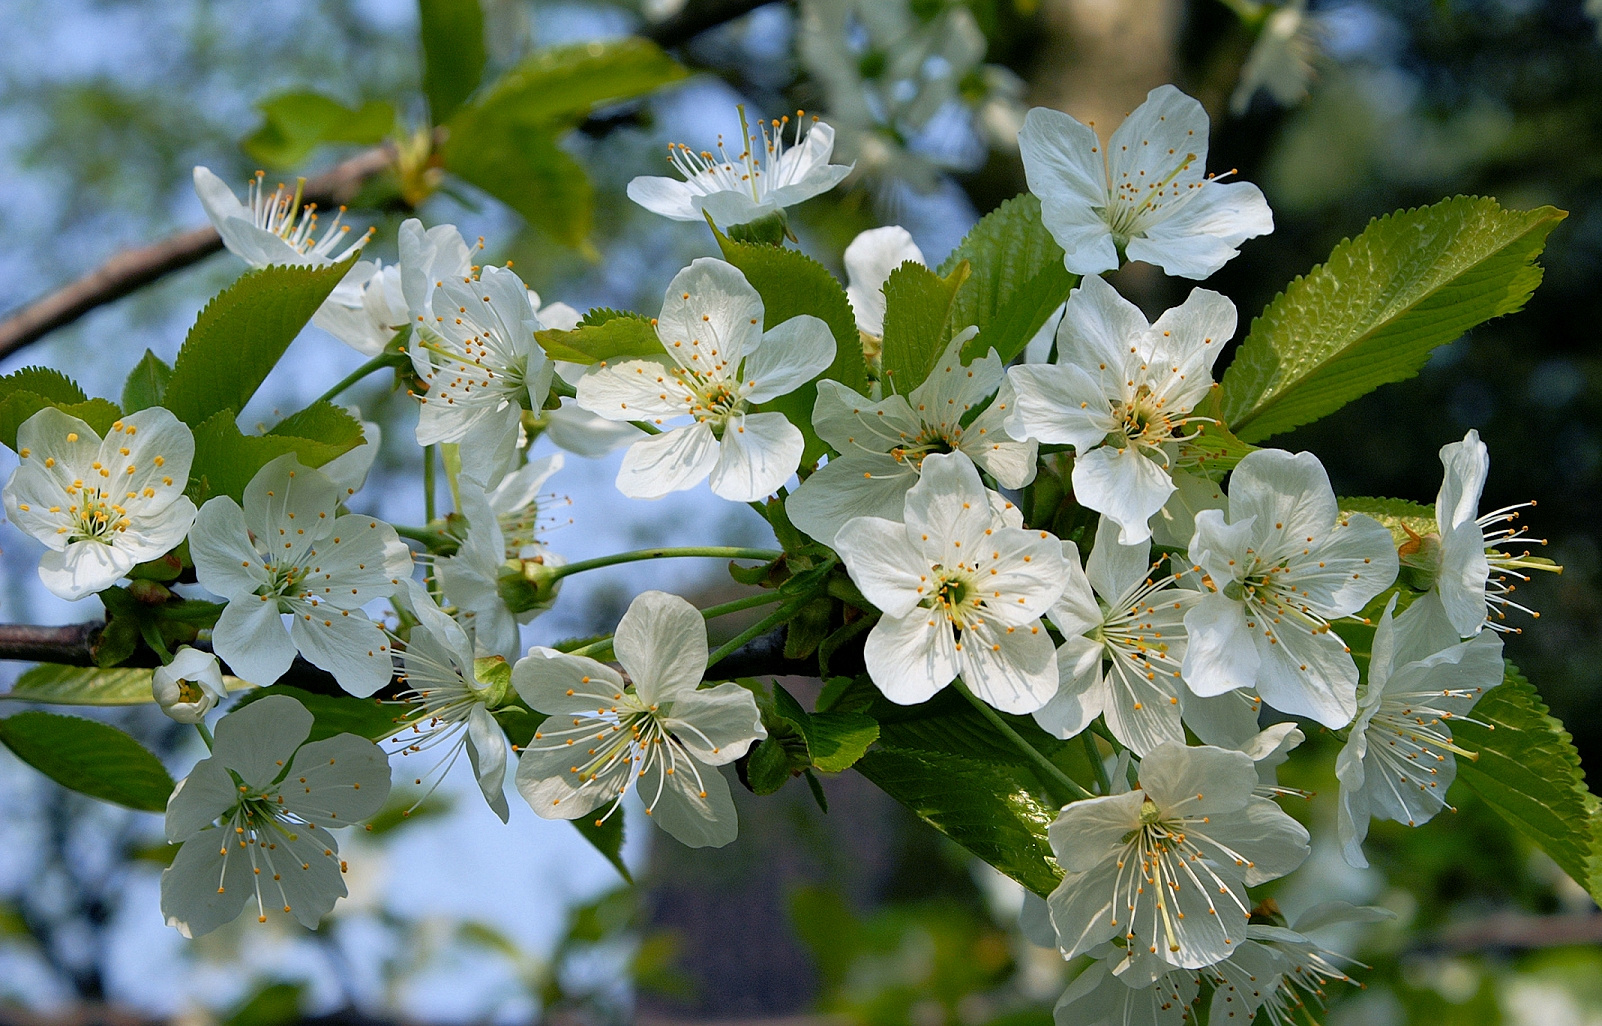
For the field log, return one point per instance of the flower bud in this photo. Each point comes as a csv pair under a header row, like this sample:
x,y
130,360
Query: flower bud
x,y
530,585
188,687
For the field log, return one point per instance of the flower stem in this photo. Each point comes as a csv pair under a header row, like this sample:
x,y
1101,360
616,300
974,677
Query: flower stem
x,y
377,363
783,614
428,483
205,734
601,647
1097,766
713,551
1053,773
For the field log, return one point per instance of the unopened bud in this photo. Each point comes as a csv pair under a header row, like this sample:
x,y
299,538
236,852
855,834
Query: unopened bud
x,y
530,585
149,592
188,687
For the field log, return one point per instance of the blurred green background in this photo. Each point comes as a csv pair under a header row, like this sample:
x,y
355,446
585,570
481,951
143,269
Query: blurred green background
x,y
861,915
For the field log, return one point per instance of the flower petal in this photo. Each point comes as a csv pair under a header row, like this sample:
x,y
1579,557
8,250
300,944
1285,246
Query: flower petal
x,y
869,259
717,725
251,638
1063,166
1220,654
1013,669
694,804
1125,485
486,750
666,196
713,313
661,643
256,740
669,462
345,643
759,452
911,657
850,486
337,782
883,561
545,677
1080,694
1206,230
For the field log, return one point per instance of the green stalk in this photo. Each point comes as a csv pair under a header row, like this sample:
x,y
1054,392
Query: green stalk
x,y
711,551
377,363
781,615
1096,765
205,734
596,649
428,483
1033,754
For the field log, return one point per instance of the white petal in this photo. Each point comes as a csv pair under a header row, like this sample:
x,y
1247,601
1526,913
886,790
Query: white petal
x,y
698,817
854,485
1087,832
869,259
204,889
199,799
1125,485
346,644
721,320
1220,652
669,462
911,657
1098,328
1113,567
545,676
1464,572
337,782
251,638
1305,674
792,353
1028,569
987,442
1197,781
257,740
717,724
1058,405
521,488
1080,694
851,423
285,497
666,196
953,387
759,452
83,568
1205,232
1466,465
1165,132
1064,167
661,643
1011,669
950,508
1075,612
884,563
486,749
586,434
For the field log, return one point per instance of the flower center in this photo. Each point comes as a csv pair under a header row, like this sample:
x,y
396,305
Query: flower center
x,y
1143,422
1135,202
754,171
956,595
188,691
98,517
930,442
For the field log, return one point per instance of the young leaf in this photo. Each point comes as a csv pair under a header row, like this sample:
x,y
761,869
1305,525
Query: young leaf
x,y
524,168
1406,520
607,838
146,383
323,421
89,757
452,34
1018,280
621,336
17,407
46,383
1529,772
226,458
792,283
296,123
53,684
558,87
1371,315
918,306
337,714
240,336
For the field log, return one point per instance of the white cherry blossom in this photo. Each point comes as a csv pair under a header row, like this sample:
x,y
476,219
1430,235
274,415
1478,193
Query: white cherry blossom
x,y
718,363
289,552
1166,866
882,444
1470,570
488,554
482,367
100,505
273,228
1398,760
255,818
962,593
657,730
769,174
1103,996
1124,627
428,259
190,686
869,261
367,308
448,703
1123,393
1284,564
1144,195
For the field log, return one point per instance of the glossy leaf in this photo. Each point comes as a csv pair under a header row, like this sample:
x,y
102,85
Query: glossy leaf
x,y
918,322
296,123
146,384
89,757
454,56
1017,283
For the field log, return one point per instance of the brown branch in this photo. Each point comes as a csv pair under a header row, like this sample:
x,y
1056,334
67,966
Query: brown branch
x,y
1517,931
132,269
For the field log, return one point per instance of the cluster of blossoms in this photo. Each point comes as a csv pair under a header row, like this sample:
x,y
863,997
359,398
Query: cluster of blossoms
x,y
1191,605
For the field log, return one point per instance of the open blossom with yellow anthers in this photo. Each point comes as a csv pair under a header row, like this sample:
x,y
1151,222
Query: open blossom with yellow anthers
x,y
101,505
1124,626
1304,966
1284,565
448,701
657,732
1166,866
1144,196
1469,563
274,228
1398,761
1123,393
717,364
882,444
289,552
962,593
770,173
255,818
482,368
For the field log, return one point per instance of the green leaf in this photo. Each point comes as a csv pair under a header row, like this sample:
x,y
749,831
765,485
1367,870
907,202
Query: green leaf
x,y
1401,516
1529,772
1018,279
52,684
46,383
227,458
839,739
16,408
524,168
146,383
452,34
1371,315
296,123
918,324
611,337
558,87
607,837
89,757
959,774
338,714
792,283
329,424
241,335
